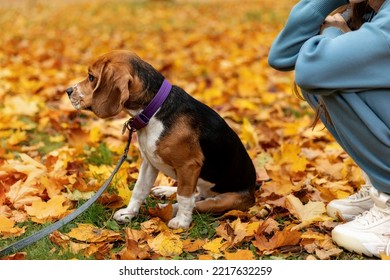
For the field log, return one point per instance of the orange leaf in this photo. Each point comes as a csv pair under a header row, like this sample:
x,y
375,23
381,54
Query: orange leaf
x,y
192,246
90,233
165,213
240,255
43,212
279,239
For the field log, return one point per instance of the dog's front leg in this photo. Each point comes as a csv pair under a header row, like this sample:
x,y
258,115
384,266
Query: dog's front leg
x,y
147,176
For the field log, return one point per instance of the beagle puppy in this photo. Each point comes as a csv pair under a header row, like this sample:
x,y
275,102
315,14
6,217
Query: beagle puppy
x,y
184,138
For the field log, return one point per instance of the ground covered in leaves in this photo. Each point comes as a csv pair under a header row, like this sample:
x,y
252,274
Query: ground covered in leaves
x,y
53,158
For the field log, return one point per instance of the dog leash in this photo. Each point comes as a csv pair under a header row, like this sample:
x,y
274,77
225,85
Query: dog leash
x,y
17,246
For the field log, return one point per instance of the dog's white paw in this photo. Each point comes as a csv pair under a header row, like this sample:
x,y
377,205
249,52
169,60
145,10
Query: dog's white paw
x,y
162,191
124,215
176,223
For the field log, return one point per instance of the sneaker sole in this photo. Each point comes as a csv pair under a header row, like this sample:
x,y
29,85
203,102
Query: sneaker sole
x,y
349,243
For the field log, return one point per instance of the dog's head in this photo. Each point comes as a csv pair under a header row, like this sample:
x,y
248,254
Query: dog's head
x,y
113,84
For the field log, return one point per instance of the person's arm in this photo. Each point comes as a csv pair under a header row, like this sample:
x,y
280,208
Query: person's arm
x,y
334,60
351,61
304,22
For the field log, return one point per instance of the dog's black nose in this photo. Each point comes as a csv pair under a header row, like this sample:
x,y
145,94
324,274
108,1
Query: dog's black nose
x,y
69,91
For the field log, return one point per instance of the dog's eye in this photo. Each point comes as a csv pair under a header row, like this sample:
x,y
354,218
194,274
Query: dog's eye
x,y
91,77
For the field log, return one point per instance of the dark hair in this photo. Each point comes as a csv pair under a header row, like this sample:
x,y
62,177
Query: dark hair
x,y
359,10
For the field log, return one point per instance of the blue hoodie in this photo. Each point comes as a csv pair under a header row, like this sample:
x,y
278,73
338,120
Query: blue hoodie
x,y
349,73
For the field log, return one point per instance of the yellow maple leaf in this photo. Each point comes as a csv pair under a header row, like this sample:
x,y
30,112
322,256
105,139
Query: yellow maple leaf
x,y
6,224
91,233
7,228
291,154
43,212
167,244
214,245
103,171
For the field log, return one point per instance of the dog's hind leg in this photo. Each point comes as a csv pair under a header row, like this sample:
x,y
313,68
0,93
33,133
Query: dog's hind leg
x,y
224,202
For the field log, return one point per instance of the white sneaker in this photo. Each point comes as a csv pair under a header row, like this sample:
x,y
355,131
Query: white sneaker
x,y
352,206
368,233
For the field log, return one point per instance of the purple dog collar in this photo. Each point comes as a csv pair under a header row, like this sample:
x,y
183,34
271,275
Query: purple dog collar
x,y
142,120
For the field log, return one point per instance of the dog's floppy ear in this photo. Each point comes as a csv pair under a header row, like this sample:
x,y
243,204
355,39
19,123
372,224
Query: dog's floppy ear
x,y
111,90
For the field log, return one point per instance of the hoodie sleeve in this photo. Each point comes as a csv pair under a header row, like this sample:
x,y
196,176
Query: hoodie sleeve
x,y
336,61
304,22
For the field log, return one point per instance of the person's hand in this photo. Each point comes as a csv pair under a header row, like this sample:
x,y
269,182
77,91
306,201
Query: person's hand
x,y
335,20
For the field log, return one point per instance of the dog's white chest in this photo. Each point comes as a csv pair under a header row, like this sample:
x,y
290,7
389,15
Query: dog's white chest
x,y
147,139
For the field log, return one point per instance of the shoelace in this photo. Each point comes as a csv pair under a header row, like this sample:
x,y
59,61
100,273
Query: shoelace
x,y
371,216
363,192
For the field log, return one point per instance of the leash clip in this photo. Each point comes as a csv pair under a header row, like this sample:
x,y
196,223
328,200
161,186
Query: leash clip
x,y
128,125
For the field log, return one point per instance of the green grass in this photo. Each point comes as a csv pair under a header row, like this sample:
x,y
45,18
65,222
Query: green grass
x,y
204,226
43,249
101,155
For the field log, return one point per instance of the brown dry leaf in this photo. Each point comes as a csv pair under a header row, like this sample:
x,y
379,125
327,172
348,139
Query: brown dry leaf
x,y
328,254
332,169
133,251
137,235
236,214
269,226
286,237
136,245
154,225
193,245
17,256
164,213
112,201
59,238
